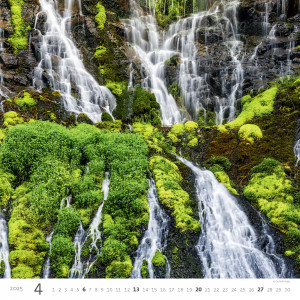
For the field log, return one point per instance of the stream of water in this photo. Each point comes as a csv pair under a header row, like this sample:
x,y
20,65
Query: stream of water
x,y
155,236
61,67
228,246
93,236
4,248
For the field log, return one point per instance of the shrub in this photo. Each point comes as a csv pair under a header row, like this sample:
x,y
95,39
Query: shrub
x,y
67,222
61,256
268,166
106,117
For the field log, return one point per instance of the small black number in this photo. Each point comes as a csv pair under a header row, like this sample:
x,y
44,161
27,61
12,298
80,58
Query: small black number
x,y
38,289
260,289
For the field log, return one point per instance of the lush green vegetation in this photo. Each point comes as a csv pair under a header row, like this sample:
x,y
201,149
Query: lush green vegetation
x,y
275,195
260,105
19,39
135,106
62,250
100,18
185,134
126,208
219,165
171,194
158,260
26,101
168,12
250,133
144,269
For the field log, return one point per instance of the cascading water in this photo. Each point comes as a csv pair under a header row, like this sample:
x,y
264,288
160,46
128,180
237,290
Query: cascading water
x,y
155,236
80,269
228,245
62,69
46,269
77,267
154,49
142,32
4,248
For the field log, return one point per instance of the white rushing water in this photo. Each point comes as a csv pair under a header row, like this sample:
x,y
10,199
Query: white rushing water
x,y
155,236
228,245
46,269
153,48
61,63
143,33
4,248
93,235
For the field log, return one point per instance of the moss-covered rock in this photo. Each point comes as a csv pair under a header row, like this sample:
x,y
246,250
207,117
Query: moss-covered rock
x,y
83,118
250,133
272,192
144,269
170,193
260,105
158,260
26,101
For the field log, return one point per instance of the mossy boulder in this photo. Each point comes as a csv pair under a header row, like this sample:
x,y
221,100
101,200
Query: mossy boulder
x,y
250,133
158,260
26,101
106,117
83,118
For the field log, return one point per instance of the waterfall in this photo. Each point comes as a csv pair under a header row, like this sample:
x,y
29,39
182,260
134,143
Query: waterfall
x,y
142,32
93,235
61,66
155,236
4,248
77,267
66,202
228,246
46,269
154,48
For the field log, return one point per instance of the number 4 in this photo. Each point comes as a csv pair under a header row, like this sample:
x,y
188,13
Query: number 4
x,y
38,289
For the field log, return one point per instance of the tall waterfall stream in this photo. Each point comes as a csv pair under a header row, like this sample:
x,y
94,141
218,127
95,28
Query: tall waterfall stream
x,y
61,63
229,246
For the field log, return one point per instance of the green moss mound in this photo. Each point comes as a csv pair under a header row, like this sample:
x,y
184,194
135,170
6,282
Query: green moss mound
x,y
158,259
274,194
250,133
170,193
26,101
19,39
100,18
260,105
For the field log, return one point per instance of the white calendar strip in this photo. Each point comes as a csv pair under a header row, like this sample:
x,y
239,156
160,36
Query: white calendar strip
x,y
154,289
